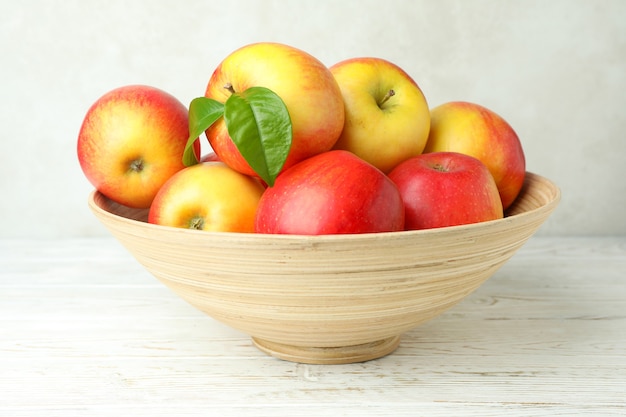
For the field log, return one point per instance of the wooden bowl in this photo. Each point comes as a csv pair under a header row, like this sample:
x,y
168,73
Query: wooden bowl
x,y
334,298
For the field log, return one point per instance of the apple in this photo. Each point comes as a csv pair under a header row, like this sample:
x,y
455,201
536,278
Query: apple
x,y
474,130
334,192
387,118
131,141
305,85
210,157
207,196
446,189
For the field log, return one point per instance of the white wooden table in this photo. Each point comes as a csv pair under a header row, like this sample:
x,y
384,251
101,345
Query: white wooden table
x,y
85,331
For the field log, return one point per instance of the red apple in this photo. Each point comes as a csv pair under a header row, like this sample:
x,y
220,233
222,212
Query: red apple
x,y
446,189
131,141
304,84
474,130
208,196
210,157
334,192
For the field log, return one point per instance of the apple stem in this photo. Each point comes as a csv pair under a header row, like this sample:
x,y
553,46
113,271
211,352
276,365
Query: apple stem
x,y
389,94
196,223
136,165
230,88
440,168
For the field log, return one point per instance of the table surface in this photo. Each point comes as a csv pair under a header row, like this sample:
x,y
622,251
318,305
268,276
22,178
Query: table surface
x,y
86,331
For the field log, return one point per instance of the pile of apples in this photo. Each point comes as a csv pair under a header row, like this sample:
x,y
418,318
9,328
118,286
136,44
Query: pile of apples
x,y
359,150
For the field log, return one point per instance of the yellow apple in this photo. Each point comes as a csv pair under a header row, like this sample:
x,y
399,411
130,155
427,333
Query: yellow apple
x,y
474,130
208,196
305,85
387,118
131,141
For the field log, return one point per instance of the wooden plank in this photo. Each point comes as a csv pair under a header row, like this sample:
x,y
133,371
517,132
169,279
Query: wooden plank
x,y
84,330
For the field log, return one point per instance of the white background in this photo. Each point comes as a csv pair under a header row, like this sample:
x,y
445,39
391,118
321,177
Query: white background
x,y
556,70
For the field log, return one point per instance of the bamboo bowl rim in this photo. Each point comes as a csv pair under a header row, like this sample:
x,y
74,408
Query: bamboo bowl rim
x,y
104,207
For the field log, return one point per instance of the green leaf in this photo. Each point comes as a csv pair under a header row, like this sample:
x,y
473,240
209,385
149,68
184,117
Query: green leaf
x,y
203,112
259,124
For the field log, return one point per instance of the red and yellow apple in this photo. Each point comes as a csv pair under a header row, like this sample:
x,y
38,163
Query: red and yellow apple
x,y
210,157
131,141
446,189
334,192
474,130
208,196
304,84
387,118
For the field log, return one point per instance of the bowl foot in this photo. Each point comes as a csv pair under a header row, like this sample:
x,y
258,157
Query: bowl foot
x,y
329,355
